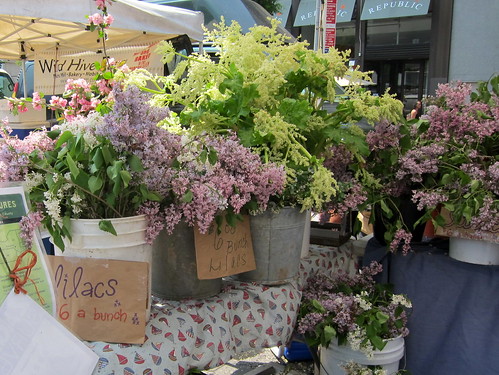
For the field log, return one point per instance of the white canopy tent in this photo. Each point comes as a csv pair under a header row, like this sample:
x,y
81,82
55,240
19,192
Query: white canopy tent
x,y
30,26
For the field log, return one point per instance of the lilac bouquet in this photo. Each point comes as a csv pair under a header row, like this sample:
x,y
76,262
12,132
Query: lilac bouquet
x,y
447,159
212,178
352,309
123,164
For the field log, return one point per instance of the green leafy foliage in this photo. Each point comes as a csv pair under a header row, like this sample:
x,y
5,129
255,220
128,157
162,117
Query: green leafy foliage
x,y
89,180
272,94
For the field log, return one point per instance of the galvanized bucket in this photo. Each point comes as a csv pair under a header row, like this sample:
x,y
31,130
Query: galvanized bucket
x,y
174,269
277,244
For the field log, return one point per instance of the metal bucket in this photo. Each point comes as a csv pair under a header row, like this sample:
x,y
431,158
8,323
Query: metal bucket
x,y
277,245
174,269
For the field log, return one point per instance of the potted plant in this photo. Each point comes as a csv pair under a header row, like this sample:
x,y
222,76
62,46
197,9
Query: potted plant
x,y
448,159
351,317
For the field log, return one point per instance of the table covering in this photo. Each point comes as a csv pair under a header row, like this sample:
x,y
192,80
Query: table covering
x,y
454,324
202,334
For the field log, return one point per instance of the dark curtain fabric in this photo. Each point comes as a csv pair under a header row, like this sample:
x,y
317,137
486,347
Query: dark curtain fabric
x,y
454,324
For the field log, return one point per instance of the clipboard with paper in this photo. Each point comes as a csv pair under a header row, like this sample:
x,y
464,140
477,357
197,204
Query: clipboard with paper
x,y
28,266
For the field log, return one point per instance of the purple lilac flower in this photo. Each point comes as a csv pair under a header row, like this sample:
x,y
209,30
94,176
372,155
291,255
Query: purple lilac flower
x,y
428,199
132,127
385,135
401,238
14,152
488,217
28,224
419,161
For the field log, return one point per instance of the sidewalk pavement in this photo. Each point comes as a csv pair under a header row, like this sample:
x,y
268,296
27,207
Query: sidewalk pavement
x,y
262,362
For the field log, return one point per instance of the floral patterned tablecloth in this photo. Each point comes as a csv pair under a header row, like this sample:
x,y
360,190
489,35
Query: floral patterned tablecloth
x,y
207,333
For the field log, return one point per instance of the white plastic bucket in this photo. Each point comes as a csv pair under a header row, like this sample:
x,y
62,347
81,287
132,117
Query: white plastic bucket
x,y
474,251
335,356
89,241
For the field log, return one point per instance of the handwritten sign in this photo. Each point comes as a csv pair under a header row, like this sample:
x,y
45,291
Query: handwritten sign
x,y
226,253
101,299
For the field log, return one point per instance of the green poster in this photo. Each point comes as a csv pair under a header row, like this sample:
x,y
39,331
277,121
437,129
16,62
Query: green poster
x,y
13,206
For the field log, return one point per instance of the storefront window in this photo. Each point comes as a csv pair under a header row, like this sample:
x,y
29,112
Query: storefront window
x,y
400,31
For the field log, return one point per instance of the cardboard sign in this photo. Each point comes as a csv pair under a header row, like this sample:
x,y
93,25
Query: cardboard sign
x,y
226,253
460,230
101,299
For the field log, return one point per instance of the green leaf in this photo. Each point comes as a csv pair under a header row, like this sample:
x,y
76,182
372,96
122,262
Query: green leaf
x,y
106,153
377,342
107,226
212,157
94,183
97,159
75,171
187,197
328,334
125,178
135,163
382,318
64,137
232,218
66,227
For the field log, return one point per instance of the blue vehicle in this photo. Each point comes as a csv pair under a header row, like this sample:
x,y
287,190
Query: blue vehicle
x,y
6,84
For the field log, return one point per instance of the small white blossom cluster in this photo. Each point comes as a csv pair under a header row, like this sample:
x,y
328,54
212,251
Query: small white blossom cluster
x,y
352,368
32,180
355,339
363,302
85,126
399,299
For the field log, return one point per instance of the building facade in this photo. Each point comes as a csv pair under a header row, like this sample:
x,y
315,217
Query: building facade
x,y
410,46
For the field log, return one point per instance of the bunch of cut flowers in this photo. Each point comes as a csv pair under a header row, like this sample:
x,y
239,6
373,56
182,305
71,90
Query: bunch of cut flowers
x,y
123,164
448,159
272,93
353,310
90,167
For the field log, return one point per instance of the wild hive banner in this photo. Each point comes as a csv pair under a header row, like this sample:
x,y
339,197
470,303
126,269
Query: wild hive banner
x,y
51,75
226,252
101,299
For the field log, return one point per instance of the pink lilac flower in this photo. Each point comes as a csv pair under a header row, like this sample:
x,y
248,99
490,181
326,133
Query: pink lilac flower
x,y
96,19
385,135
419,161
488,217
401,238
37,101
428,199
14,152
28,224
108,20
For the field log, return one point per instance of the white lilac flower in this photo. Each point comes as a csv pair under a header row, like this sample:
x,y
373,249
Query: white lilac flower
x,y
33,179
52,205
361,299
401,300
